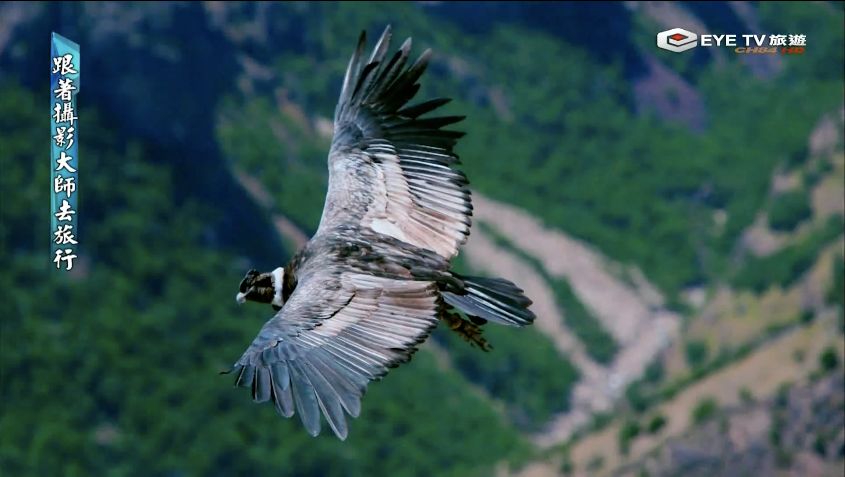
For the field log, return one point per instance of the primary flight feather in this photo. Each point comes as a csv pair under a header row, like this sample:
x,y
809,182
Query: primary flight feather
x,y
375,278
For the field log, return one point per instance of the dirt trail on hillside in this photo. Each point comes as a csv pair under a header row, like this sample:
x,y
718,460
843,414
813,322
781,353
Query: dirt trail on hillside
x,y
632,314
761,373
590,393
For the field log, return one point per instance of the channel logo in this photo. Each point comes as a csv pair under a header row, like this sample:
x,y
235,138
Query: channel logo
x,y
677,40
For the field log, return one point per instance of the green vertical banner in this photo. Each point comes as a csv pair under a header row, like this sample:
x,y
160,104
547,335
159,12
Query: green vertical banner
x,y
64,148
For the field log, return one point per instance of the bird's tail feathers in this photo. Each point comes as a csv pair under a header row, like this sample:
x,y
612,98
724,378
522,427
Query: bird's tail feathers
x,y
493,299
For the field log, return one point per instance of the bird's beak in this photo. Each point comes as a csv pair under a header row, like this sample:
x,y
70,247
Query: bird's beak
x,y
240,298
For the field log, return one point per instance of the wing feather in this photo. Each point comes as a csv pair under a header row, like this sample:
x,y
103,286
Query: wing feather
x,y
281,392
390,168
319,352
305,399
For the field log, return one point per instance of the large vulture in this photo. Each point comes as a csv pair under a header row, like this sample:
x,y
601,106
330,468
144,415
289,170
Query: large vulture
x,y
374,280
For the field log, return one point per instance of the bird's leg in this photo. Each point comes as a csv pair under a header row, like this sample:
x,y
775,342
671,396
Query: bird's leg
x,y
470,332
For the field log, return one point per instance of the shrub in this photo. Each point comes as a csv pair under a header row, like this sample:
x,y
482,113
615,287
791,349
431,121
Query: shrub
x,y
656,424
566,466
654,372
816,172
696,353
704,410
637,397
828,360
807,316
628,432
790,209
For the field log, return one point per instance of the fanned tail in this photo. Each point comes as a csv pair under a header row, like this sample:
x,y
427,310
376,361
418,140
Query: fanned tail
x,y
492,299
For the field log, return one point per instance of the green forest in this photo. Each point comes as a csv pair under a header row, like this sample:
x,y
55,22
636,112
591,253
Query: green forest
x,y
113,369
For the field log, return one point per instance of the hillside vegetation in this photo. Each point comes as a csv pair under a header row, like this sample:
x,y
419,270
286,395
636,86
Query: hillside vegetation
x,y
661,165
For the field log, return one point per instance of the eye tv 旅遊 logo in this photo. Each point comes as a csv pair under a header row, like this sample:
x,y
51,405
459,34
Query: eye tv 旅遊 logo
x,y
678,40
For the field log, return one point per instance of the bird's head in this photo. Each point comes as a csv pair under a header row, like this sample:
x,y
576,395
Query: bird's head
x,y
262,287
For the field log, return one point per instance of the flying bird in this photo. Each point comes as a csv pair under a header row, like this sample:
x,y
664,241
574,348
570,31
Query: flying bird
x,y
375,278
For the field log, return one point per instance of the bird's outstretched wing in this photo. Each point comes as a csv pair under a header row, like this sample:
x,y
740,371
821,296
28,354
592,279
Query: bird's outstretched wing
x,y
391,170
338,331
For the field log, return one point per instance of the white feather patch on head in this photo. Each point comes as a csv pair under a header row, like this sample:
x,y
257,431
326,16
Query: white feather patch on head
x,y
278,278
240,298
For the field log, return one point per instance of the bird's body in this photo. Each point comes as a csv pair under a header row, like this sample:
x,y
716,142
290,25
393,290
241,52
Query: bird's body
x,y
375,278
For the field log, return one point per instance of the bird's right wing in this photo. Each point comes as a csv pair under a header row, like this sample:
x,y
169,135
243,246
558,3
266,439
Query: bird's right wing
x,y
337,332
391,170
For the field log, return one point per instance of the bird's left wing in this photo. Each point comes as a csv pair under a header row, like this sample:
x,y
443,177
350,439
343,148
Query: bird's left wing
x,y
390,169
337,332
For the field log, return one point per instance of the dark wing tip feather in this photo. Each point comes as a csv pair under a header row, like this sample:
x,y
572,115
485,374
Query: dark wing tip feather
x,y
384,87
418,110
382,45
406,46
351,76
